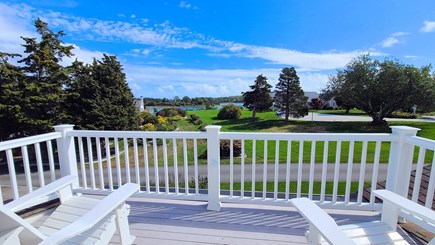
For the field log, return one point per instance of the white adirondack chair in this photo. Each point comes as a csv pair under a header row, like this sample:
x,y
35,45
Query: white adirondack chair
x,y
324,230
78,220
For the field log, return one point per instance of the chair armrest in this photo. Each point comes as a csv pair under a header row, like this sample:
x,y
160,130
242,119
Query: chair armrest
x,y
95,215
32,197
406,205
321,221
11,237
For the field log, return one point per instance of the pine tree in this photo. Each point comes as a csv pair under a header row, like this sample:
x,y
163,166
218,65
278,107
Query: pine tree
x,y
258,98
99,96
289,96
10,109
41,88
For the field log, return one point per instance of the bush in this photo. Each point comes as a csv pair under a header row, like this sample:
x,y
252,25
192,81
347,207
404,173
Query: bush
x,y
225,148
230,111
146,117
400,114
171,112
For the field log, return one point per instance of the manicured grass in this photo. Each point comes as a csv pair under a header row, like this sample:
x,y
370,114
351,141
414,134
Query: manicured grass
x,y
341,190
268,122
352,112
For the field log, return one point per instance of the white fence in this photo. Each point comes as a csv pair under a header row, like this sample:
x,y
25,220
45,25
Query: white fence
x,y
331,169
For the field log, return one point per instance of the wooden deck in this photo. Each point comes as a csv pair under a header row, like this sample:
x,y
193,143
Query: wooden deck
x,y
186,222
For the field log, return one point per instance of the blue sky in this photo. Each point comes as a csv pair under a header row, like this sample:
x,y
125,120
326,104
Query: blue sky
x,y
217,48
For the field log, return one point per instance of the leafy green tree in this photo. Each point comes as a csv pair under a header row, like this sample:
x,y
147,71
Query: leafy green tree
x,y
99,96
10,97
258,99
332,92
42,87
379,88
289,96
316,104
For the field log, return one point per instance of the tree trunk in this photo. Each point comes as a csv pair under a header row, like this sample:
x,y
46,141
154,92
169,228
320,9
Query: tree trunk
x,y
377,120
253,115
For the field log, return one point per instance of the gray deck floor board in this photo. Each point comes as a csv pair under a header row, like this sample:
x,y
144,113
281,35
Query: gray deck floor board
x,y
169,222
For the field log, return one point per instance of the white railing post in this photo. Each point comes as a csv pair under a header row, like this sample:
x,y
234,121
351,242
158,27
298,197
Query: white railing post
x,y
213,167
400,162
67,152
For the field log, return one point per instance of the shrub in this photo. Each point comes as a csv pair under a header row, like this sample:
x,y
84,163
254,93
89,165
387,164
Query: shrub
x,y
146,117
230,111
194,117
149,127
400,114
225,148
171,112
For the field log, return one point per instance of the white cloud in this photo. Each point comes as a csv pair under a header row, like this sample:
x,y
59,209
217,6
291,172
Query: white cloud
x,y
399,34
13,27
428,26
83,55
411,57
393,39
186,5
389,42
168,82
165,35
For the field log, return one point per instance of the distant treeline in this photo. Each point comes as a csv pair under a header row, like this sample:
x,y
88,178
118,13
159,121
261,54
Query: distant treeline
x,y
186,101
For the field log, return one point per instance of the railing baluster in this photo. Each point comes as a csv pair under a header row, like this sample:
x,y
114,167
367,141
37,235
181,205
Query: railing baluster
x,y
418,174
186,169
336,172
12,173
82,163
165,165
276,179
100,162
242,169
324,170
265,169
431,185
375,171
362,172
174,147
117,162
349,171
39,165
195,163
300,165
51,160
312,159
287,171
91,162
127,161
231,169
156,166
146,163
136,161
26,166
108,163
254,146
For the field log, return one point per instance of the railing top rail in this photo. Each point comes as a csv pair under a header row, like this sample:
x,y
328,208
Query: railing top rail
x,y
310,136
421,142
10,144
138,134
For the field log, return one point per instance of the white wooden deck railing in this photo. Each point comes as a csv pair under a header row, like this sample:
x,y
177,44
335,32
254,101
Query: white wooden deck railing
x,y
175,164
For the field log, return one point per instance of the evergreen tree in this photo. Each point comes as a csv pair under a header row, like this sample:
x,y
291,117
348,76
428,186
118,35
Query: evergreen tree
x,y
99,96
258,98
42,87
10,109
289,96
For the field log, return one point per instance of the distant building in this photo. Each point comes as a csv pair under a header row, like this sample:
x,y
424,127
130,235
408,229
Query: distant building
x,y
139,104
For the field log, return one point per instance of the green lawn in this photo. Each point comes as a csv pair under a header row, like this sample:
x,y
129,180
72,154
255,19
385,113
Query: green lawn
x,y
268,122
341,190
352,112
